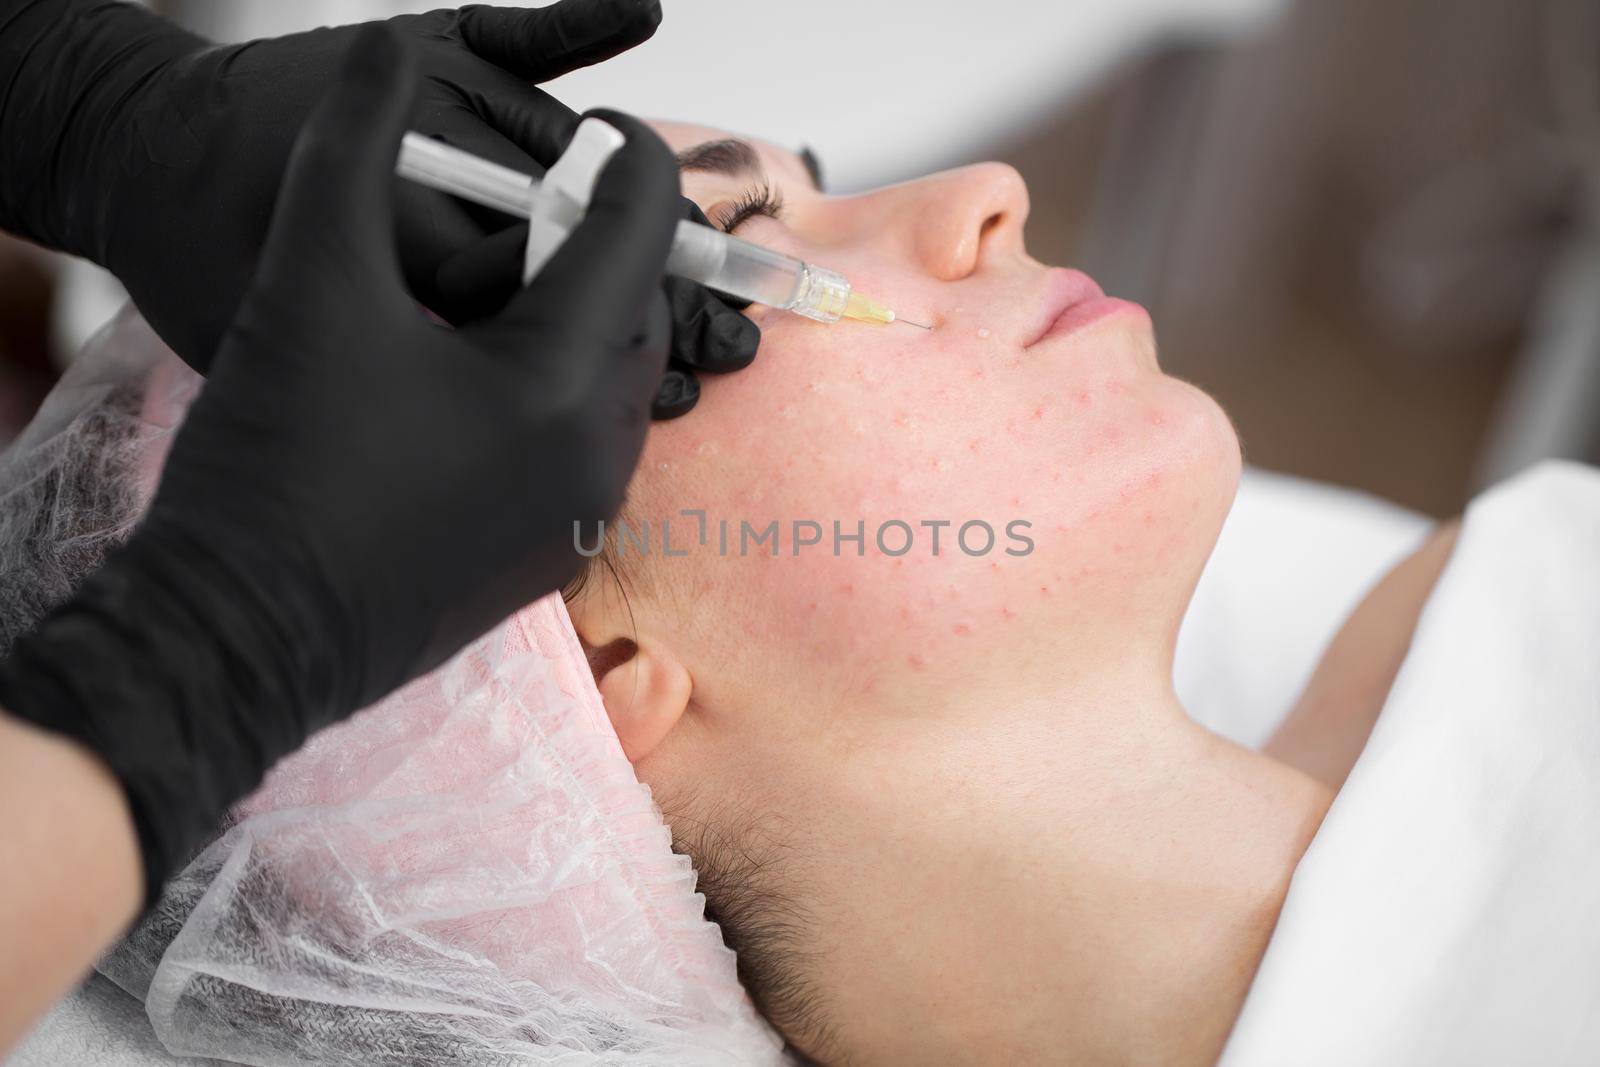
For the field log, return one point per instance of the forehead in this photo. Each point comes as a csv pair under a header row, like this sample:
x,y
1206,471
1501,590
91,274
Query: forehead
x,y
780,164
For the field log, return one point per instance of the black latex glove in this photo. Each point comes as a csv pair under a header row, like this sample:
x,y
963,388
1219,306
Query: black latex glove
x,y
357,491
708,332
158,155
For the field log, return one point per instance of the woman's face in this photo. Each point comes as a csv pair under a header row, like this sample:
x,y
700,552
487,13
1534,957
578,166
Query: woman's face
x,y
839,728
1034,405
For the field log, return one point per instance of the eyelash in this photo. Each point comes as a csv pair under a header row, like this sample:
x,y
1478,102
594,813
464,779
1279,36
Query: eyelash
x,y
760,199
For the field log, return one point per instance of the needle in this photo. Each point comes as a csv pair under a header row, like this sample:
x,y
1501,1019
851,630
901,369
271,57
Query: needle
x,y
908,322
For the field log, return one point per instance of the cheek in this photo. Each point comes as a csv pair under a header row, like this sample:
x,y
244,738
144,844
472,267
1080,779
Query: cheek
x,y
1100,482
1122,481
1140,486
855,430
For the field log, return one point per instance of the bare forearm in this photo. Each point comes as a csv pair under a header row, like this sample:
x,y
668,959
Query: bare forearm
x,y
70,876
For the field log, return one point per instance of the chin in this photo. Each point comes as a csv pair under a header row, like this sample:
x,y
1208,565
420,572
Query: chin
x,y
1223,440
1209,463
1190,468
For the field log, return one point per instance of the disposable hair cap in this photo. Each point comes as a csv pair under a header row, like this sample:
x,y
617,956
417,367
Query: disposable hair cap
x,y
466,873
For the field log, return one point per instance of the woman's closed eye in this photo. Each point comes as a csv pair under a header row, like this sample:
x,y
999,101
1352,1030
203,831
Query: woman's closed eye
x,y
757,200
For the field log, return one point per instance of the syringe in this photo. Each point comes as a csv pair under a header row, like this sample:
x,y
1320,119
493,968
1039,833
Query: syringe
x,y
715,259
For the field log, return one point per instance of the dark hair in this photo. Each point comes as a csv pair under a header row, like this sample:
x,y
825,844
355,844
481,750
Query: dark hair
x,y
753,894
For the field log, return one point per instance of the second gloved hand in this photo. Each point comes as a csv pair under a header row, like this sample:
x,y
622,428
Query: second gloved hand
x,y
357,491
158,155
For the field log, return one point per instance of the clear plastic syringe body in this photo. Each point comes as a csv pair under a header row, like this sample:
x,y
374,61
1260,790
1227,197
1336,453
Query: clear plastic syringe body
x,y
715,259
723,262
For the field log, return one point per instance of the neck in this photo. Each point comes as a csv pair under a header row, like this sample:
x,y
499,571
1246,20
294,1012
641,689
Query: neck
x,y
1086,884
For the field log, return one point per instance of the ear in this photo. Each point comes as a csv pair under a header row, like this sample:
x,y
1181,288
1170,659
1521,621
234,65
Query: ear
x,y
646,690
644,685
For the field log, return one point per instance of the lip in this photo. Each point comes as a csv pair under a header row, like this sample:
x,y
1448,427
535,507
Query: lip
x,y
1071,301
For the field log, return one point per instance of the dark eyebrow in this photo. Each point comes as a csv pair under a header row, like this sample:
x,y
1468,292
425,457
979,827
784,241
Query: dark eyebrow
x,y
729,156
737,158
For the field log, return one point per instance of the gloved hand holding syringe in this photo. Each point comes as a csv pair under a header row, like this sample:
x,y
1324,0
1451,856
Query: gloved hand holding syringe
x,y
703,254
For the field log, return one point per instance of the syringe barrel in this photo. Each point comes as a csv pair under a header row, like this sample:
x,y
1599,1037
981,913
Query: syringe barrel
x,y
721,261
700,253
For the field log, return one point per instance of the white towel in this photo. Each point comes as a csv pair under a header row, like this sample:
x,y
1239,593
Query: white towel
x,y
1448,910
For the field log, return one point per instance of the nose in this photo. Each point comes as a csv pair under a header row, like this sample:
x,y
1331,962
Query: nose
x,y
956,218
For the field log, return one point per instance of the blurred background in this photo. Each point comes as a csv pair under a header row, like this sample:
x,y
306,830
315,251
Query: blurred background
x,y
1371,228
